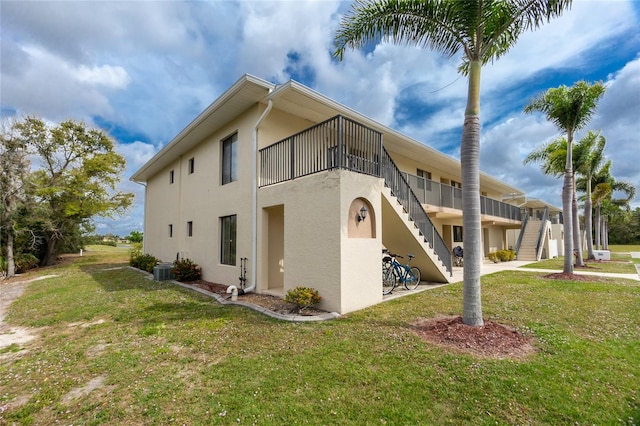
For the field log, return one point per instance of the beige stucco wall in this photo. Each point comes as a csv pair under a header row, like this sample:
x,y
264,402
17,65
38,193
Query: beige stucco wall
x,y
317,250
201,198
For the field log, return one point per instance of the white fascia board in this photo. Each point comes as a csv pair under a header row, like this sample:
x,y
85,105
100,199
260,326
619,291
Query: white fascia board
x,y
143,173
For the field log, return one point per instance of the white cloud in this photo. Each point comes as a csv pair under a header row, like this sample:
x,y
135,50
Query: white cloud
x,y
105,75
151,67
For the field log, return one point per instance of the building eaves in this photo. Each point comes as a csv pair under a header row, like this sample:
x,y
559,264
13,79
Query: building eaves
x,y
245,92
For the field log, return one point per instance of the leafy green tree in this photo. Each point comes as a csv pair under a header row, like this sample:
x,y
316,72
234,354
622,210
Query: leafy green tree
x,y
14,158
135,237
481,31
76,181
570,109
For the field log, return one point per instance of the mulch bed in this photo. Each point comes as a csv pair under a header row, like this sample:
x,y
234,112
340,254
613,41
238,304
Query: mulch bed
x,y
492,340
273,303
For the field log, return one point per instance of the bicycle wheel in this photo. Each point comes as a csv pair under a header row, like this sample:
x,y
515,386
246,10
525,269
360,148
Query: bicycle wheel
x,y
412,280
388,282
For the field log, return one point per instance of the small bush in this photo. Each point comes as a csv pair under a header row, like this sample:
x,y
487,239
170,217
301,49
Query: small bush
x,y
186,270
502,256
146,262
25,261
506,255
303,297
109,243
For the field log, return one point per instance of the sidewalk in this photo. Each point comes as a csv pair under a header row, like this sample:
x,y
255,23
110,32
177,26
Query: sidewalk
x,y
490,268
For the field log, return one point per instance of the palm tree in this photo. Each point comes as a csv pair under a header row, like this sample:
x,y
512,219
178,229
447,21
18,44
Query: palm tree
x,y
590,163
479,30
605,187
570,109
553,157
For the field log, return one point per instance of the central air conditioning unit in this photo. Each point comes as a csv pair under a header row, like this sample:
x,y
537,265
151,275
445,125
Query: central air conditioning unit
x,y
162,272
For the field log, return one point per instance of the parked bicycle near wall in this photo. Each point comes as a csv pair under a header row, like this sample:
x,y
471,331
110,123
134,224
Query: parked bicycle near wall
x,y
395,273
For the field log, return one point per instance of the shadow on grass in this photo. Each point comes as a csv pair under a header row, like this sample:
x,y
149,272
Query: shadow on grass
x,y
121,277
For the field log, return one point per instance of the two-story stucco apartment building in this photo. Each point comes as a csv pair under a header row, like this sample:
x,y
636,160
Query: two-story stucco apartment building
x,y
306,192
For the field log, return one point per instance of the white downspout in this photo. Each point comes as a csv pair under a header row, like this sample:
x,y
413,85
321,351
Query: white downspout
x,y
254,198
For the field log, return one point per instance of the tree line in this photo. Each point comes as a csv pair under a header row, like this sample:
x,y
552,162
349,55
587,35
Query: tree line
x,y
54,179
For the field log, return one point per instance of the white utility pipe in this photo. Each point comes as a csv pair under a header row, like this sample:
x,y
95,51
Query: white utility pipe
x,y
254,198
234,292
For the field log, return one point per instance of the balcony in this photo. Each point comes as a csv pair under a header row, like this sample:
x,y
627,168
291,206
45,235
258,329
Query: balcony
x,y
442,195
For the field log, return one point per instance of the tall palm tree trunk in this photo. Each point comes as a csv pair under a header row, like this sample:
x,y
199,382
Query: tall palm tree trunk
x,y
577,238
588,225
470,164
598,226
567,196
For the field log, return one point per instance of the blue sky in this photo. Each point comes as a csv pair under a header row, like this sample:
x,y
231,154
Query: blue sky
x,y
142,70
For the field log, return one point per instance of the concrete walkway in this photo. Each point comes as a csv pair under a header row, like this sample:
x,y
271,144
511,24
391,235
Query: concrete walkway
x,y
490,268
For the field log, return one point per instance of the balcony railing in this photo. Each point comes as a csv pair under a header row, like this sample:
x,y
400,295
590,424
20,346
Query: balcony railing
x,y
443,195
341,143
338,143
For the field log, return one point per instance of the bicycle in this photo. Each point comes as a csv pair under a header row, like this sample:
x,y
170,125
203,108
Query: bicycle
x,y
396,273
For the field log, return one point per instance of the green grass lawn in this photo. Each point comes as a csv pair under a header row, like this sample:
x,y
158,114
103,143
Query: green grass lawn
x,y
620,263
158,354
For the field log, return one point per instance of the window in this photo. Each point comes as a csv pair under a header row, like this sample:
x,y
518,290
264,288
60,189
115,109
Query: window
x,y
171,176
425,176
190,229
230,159
192,165
456,184
170,230
457,234
228,240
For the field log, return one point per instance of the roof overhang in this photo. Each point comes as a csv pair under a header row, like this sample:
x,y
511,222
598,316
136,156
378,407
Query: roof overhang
x,y
243,94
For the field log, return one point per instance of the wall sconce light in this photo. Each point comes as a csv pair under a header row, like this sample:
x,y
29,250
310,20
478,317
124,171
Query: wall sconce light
x,y
362,215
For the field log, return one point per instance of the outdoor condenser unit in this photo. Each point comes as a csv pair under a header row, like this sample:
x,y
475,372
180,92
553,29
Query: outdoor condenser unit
x,y
162,272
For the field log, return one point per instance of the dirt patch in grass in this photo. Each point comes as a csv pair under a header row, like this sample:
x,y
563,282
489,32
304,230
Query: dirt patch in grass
x,y
571,277
492,340
273,303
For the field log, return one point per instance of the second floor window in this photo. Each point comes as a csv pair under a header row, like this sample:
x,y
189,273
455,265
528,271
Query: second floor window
x,y
230,159
425,176
190,229
192,165
170,230
171,177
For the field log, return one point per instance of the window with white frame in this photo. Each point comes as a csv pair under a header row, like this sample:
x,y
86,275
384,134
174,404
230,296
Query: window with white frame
x,y
228,240
230,159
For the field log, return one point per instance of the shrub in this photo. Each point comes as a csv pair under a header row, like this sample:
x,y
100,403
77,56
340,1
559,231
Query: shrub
x,y
493,257
303,297
186,270
146,262
25,261
506,255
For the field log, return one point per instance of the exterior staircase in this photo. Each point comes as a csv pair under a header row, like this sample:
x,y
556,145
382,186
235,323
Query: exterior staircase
x,y
527,249
401,236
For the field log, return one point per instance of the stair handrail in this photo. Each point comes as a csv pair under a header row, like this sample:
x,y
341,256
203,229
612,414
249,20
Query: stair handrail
x,y
522,229
541,231
395,180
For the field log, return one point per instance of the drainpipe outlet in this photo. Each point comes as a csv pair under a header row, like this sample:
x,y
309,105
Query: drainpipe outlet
x,y
234,292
